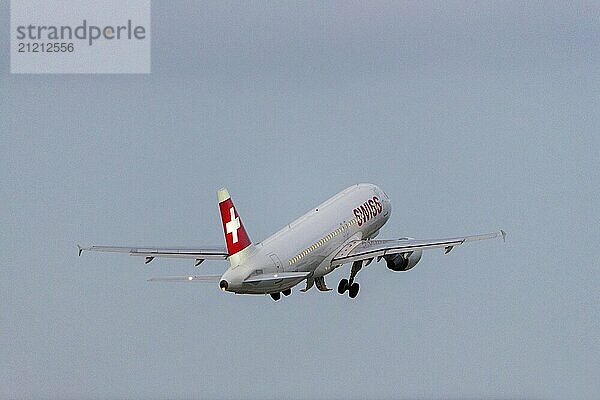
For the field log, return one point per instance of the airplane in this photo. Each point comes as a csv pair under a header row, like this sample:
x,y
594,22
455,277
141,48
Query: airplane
x,y
342,230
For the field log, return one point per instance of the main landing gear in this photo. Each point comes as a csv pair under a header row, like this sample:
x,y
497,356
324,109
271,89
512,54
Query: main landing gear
x,y
349,285
352,288
277,296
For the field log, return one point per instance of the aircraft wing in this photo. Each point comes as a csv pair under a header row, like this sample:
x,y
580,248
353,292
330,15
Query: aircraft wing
x,y
199,253
368,249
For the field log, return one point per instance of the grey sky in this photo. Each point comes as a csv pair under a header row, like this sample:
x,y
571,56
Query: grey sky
x,y
471,117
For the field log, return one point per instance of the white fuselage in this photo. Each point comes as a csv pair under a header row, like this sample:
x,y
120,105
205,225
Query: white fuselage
x,y
310,242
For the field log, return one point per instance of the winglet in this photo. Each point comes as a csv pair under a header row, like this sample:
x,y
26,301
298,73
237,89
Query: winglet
x,y
80,249
503,233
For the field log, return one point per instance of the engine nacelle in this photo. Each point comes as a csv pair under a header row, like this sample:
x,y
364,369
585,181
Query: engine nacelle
x,y
399,262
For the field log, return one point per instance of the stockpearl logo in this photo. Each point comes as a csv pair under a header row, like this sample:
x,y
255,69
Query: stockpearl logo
x,y
80,36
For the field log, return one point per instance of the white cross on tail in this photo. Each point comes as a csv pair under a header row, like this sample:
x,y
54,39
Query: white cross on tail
x,y
233,225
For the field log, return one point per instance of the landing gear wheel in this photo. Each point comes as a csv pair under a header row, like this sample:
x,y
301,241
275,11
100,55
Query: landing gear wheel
x,y
343,286
287,292
276,296
353,291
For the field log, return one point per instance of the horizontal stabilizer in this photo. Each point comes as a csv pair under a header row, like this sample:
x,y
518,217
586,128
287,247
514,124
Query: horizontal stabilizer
x,y
189,278
298,276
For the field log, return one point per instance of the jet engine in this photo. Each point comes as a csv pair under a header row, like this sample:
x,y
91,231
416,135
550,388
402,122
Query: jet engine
x,y
403,261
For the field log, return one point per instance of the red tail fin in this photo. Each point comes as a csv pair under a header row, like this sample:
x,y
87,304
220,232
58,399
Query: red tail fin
x,y
235,235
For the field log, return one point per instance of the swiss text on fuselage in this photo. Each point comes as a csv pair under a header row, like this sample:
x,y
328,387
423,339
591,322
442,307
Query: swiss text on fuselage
x,y
368,210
